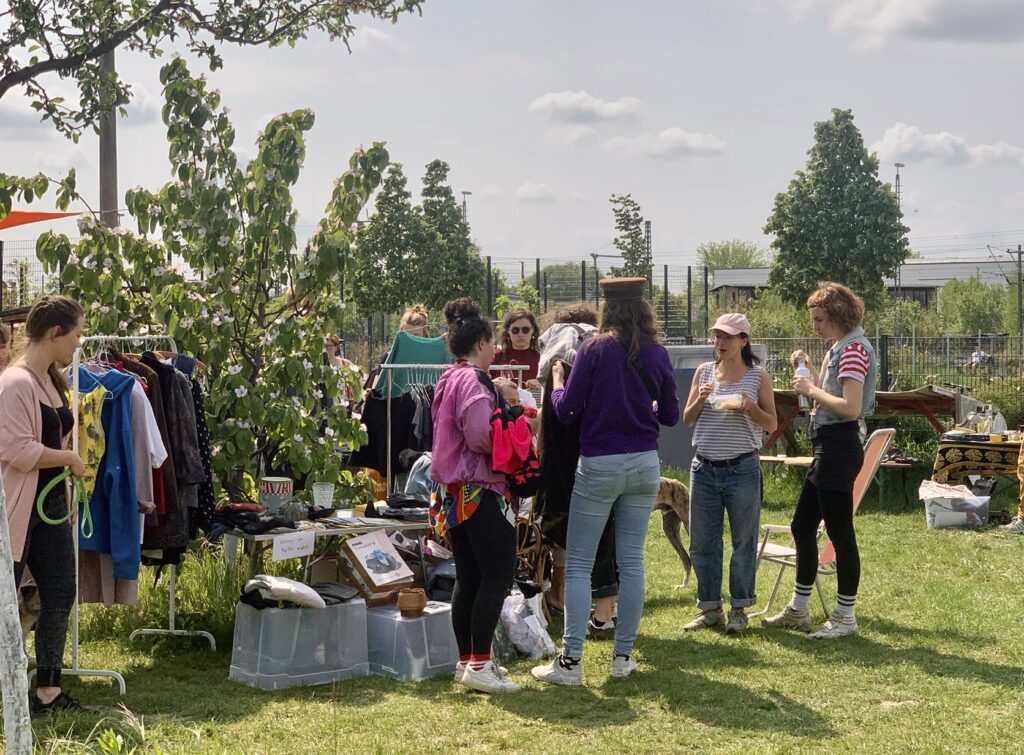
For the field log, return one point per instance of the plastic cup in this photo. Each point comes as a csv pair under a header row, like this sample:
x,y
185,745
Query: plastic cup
x,y
323,494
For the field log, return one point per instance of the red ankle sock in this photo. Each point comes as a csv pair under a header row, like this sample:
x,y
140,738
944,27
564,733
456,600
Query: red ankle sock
x,y
478,660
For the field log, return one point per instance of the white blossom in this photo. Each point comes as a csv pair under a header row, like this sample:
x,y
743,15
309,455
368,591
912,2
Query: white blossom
x,y
234,369
223,241
73,259
201,232
192,92
297,438
122,325
329,432
241,391
216,322
321,441
307,364
226,110
104,309
251,186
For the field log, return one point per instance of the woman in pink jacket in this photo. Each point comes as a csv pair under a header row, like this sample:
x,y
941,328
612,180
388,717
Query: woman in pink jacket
x,y
468,504
36,423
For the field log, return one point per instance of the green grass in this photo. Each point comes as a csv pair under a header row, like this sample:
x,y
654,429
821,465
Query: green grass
x,y
937,668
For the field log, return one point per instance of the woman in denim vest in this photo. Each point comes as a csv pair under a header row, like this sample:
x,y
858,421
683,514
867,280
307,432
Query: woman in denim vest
x,y
842,395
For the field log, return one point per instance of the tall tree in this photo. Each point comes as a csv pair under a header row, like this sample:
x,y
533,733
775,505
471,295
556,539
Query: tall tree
x,y
837,221
233,229
68,38
452,265
731,254
631,241
971,306
386,264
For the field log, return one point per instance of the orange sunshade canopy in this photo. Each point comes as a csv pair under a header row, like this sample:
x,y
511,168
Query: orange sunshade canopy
x,y
21,217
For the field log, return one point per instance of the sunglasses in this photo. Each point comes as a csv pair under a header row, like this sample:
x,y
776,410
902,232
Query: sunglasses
x,y
525,330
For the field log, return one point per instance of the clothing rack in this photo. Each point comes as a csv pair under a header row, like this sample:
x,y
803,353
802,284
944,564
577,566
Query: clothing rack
x,y
426,368
76,669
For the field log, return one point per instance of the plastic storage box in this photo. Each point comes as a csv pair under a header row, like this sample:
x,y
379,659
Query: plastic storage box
x,y
276,648
956,513
411,649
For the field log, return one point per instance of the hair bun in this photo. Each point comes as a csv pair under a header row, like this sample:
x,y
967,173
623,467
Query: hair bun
x,y
457,311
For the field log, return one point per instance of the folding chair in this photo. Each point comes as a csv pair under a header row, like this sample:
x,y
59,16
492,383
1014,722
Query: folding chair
x,y
785,555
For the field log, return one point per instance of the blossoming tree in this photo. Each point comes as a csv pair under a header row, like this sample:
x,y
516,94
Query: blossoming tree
x,y
215,264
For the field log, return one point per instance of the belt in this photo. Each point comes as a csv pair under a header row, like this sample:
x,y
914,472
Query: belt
x,y
726,462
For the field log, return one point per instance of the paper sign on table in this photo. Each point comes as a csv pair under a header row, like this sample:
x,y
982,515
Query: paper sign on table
x,y
293,545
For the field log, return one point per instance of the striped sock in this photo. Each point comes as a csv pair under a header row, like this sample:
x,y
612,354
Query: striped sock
x,y
844,605
477,661
464,658
801,596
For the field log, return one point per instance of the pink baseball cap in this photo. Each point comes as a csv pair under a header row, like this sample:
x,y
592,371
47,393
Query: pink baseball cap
x,y
732,323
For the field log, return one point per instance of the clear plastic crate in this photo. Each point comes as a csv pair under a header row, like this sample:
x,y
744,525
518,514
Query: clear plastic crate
x,y
275,648
411,649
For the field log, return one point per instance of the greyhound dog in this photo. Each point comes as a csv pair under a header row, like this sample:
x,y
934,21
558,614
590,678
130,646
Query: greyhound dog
x,y
673,502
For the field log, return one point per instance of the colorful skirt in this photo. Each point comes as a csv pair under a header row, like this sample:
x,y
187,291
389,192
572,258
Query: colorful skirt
x,y
453,504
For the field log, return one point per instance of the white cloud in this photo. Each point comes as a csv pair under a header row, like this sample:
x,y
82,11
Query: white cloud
x,y
875,22
368,36
144,107
580,107
669,144
534,192
903,142
571,135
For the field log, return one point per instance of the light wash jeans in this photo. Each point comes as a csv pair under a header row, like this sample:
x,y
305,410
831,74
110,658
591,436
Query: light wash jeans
x,y
626,484
715,491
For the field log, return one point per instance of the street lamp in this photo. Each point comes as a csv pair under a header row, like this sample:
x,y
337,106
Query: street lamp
x,y
899,205
464,195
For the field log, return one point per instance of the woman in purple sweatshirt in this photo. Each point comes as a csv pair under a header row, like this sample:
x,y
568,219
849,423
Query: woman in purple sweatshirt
x,y
622,387
468,504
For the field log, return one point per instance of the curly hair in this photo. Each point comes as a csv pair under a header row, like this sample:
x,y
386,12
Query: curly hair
x,y
513,316
466,327
632,321
844,308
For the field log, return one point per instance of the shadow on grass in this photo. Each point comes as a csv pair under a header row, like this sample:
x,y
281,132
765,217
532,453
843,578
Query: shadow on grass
x,y
864,651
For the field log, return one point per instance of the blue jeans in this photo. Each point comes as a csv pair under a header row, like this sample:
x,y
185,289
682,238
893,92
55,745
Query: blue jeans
x,y
626,484
715,491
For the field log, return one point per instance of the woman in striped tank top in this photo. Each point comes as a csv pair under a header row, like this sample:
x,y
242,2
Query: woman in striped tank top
x,y
725,476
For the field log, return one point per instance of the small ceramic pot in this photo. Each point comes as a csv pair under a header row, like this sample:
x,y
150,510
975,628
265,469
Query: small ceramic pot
x,y
323,494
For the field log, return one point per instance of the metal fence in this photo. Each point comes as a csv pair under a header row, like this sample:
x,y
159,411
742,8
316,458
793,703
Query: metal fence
x,y
906,362
22,279
679,294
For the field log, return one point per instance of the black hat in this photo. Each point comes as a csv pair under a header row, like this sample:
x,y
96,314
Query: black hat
x,y
623,288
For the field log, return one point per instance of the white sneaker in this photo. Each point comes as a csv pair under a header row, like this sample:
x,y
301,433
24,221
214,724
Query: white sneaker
x,y
460,669
789,619
556,673
835,626
1016,526
623,666
488,679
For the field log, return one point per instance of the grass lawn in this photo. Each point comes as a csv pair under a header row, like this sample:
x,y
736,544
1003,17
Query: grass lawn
x,y
938,667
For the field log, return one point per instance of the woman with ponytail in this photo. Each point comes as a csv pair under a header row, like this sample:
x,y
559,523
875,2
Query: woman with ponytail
x,y
469,504
33,433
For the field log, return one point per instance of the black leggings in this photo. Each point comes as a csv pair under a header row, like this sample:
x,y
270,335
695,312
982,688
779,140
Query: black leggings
x,y
484,547
50,555
836,508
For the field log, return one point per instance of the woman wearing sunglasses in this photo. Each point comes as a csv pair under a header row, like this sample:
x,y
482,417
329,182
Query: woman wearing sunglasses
x,y
519,333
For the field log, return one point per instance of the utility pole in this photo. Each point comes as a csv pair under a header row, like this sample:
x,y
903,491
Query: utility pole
x,y
1020,299
464,195
108,152
650,259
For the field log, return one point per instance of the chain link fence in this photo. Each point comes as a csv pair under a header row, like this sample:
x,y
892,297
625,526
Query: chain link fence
x,y
22,279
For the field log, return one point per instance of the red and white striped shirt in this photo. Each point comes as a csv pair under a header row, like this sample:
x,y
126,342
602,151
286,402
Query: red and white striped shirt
x,y
853,363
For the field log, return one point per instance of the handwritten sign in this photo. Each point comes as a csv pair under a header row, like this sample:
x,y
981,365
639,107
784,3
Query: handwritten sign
x,y
293,545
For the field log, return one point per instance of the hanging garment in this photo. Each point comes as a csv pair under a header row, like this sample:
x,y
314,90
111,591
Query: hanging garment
x,y
410,349
374,454
114,503
201,518
165,489
92,441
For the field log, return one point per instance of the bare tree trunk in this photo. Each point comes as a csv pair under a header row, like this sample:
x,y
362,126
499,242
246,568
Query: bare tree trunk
x,y
13,663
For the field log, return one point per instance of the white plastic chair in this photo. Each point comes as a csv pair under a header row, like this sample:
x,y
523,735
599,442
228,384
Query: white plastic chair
x,y
785,555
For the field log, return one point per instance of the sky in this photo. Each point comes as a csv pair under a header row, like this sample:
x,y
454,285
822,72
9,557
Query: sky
x,y
702,110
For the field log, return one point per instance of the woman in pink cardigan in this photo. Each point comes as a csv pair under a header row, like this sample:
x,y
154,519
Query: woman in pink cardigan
x,y
36,423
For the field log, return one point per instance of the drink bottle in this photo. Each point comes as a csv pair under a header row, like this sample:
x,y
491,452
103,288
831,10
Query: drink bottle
x,y
805,372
